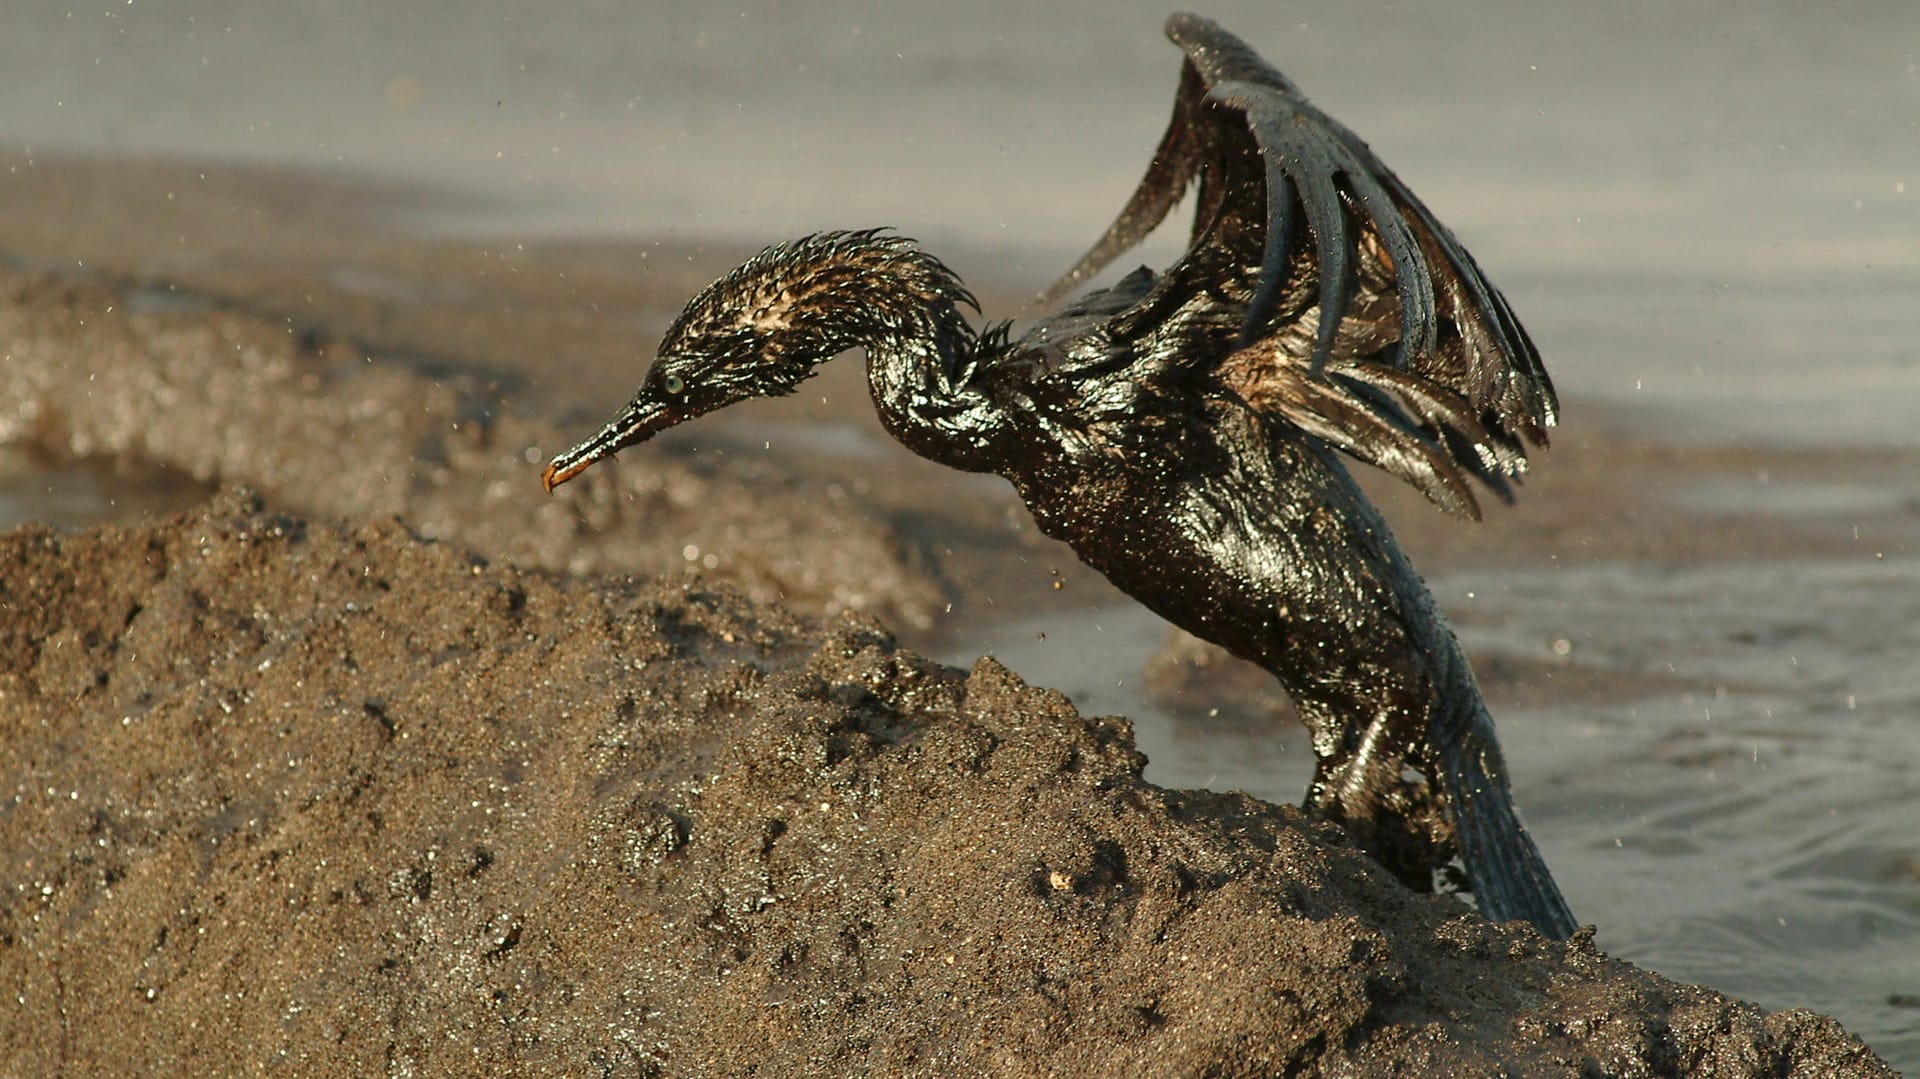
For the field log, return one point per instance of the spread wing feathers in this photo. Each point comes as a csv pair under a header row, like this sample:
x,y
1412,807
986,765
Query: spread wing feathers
x,y
1445,345
1423,434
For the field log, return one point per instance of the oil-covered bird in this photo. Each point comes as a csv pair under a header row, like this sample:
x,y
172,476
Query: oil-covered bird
x,y
1183,432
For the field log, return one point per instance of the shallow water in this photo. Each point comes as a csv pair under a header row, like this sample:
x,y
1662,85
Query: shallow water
x,y
1705,216
76,494
1776,811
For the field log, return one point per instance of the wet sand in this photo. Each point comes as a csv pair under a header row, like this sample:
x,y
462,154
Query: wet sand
x,y
292,795
269,720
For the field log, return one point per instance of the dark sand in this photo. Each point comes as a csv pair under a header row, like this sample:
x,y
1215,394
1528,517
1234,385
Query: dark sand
x,y
385,769
297,797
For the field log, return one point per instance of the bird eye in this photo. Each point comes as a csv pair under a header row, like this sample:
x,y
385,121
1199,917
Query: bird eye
x,y
673,384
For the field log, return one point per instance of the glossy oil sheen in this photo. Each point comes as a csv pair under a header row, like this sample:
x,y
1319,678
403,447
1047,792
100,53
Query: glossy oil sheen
x,y
1180,431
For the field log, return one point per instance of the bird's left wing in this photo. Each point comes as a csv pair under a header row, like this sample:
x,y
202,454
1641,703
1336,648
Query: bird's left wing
x,y
1371,327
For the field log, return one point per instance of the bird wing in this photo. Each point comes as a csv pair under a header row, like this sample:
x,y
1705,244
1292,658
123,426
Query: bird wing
x,y
1320,288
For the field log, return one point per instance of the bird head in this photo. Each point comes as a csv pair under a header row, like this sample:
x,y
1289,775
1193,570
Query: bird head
x,y
763,328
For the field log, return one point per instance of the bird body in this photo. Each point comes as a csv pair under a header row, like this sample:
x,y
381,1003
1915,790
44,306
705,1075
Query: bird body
x,y
1182,431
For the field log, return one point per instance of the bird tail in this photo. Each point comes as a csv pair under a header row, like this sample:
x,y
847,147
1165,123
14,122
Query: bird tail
x,y
1510,879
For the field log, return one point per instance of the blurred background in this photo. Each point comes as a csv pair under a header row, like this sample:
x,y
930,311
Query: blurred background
x,y
1641,155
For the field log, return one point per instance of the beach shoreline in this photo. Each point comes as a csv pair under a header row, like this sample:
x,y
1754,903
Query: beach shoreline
x,y
240,325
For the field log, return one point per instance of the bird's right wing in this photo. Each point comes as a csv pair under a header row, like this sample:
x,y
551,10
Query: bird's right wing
x,y
1321,280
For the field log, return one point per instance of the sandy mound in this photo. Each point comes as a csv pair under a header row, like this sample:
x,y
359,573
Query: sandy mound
x,y
295,797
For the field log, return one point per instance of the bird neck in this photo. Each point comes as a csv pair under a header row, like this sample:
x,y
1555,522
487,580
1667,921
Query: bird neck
x,y
923,386
824,294
922,354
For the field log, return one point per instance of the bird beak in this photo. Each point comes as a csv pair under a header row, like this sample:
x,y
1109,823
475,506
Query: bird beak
x,y
639,421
